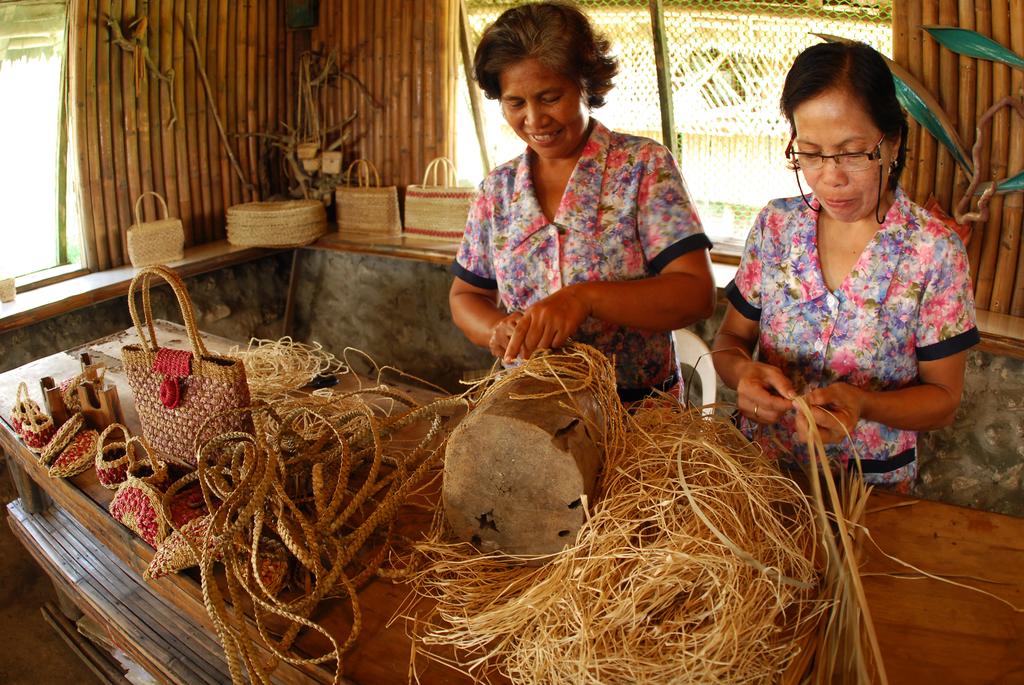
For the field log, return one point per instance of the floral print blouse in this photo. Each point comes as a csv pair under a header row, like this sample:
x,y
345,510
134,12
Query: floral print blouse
x,y
624,215
907,299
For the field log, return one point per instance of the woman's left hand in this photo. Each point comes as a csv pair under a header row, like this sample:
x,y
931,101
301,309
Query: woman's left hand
x,y
548,323
836,410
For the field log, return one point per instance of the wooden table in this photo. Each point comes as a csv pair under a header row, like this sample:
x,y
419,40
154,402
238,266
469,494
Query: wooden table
x,y
930,632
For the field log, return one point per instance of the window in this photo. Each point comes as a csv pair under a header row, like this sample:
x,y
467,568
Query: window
x,y
38,215
727,61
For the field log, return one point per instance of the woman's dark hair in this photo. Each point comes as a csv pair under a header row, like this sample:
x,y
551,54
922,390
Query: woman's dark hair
x,y
558,35
861,71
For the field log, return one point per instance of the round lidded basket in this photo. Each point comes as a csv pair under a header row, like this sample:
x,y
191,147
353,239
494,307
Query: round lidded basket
x,y
155,242
291,223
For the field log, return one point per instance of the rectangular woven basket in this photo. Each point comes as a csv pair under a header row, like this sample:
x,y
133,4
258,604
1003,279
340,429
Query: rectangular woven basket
x,y
155,242
365,209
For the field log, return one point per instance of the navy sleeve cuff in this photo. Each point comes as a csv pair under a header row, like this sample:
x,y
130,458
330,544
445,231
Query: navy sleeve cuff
x,y
742,306
471,278
949,346
697,241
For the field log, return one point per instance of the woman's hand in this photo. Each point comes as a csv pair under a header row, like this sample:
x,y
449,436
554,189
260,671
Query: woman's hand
x,y
501,333
764,393
836,410
548,323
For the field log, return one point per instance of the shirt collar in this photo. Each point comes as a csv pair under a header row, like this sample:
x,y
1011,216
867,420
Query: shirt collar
x,y
870,277
526,215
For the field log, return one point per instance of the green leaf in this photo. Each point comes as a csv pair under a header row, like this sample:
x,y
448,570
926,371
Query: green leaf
x,y
1014,184
924,108
973,44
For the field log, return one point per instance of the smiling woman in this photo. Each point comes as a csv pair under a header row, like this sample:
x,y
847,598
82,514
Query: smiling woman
x,y
589,234
35,187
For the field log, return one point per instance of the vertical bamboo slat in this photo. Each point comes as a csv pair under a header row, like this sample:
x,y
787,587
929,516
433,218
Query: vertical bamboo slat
x,y
431,90
1011,288
168,132
97,254
983,99
987,275
251,98
106,136
392,116
152,124
928,160
217,190
129,118
913,64
968,116
947,90
202,149
191,120
122,188
185,196
138,107
378,138
262,123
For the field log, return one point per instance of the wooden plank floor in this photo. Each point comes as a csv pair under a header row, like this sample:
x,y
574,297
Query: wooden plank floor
x,y
161,638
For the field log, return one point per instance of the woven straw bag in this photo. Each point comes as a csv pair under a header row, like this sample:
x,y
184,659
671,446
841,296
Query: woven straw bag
x,y
77,456
365,209
291,223
155,242
180,395
437,211
33,424
112,456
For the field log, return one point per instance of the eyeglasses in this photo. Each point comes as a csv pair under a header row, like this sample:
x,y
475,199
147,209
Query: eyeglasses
x,y
847,161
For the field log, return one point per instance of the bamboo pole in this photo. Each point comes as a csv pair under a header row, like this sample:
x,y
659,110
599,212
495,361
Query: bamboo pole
x,y
414,164
983,100
967,111
914,55
193,163
404,98
129,103
200,152
237,123
949,79
377,141
227,87
140,86
251,98
391,116
106,135
219,63
185,196
928,160
261,92
122,186
217,194
1010,288
152,122
987,276
88,138
432,102
168,132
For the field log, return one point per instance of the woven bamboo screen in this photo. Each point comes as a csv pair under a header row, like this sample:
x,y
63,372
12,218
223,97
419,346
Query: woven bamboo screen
x,y
966,87
126,143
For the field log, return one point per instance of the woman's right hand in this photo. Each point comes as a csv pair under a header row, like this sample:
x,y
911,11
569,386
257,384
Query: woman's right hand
x,y
502,332
764,392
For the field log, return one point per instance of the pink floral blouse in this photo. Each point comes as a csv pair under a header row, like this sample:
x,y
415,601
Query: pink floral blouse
x,y
907,299
625,214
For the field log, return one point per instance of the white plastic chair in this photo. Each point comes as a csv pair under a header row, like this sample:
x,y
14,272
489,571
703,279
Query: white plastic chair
x,y
693,353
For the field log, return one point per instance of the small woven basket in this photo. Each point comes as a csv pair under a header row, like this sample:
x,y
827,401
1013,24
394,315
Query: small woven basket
x,y
155,242
437,209
291,223
365,209
33,424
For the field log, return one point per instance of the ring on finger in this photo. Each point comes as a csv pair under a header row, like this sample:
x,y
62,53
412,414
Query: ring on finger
x,y
755,411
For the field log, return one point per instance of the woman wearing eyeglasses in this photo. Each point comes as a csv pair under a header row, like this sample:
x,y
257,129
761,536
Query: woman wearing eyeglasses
x,y
854,296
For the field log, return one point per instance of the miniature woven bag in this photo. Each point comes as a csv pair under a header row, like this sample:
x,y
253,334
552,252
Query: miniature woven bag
x,y
182,396
136,504
33,424
365,208
112,456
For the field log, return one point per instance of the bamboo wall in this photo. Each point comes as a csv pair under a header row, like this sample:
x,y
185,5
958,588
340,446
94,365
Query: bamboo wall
x,y
402,50
405,52
966,88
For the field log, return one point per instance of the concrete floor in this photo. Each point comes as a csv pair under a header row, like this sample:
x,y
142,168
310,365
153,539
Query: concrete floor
x,y
31,653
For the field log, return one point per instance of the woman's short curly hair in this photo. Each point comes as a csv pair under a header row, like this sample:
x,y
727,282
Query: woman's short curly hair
x,y
558,35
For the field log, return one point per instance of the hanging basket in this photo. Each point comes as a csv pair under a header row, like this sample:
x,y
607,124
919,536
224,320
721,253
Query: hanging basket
x,y
155,242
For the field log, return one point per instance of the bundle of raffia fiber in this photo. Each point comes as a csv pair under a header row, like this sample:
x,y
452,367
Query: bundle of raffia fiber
x,y
323,477
698,562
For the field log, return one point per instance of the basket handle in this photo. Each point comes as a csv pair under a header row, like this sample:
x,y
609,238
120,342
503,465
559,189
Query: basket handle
x,y
363,169
446,167
22,394
143,279
160,197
